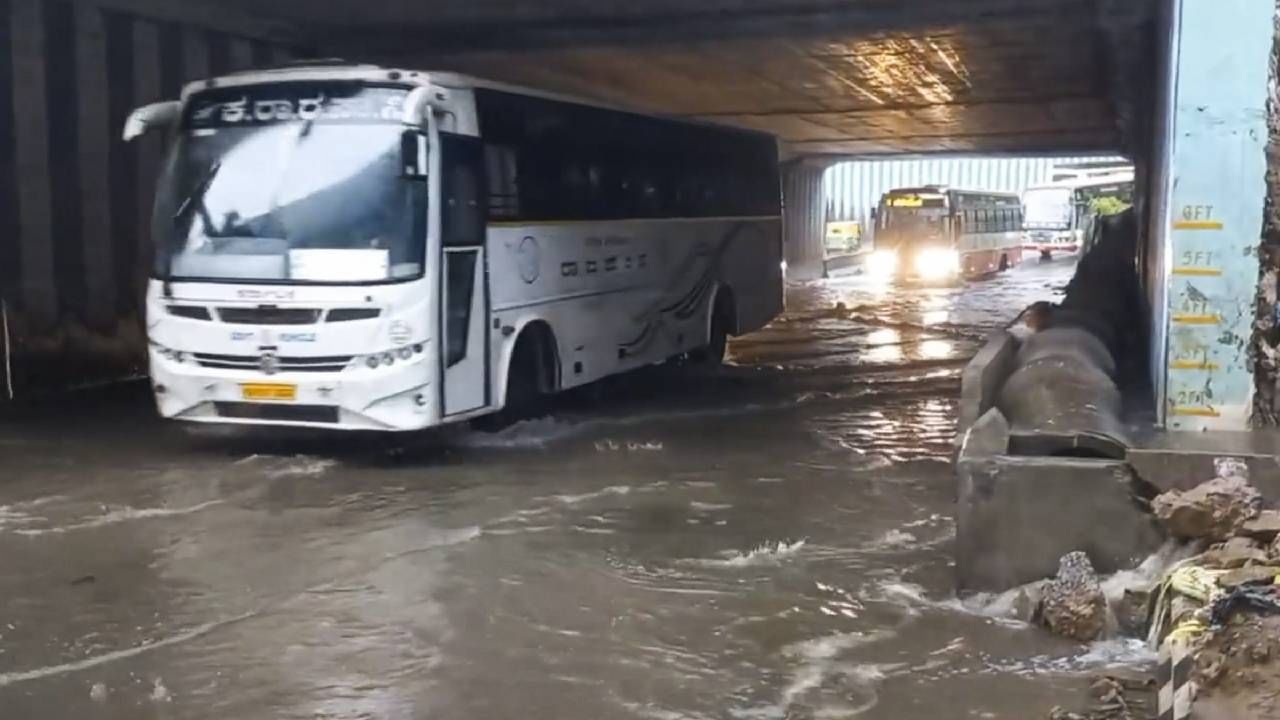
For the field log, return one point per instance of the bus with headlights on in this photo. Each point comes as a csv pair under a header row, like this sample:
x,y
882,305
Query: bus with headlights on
x,y
937,234
362,248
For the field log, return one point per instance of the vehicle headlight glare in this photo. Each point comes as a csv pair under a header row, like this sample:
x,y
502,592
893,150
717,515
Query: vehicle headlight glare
x,y
937,263
882,263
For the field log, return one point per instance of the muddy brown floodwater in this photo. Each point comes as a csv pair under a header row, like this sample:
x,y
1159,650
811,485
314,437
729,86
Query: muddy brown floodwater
x,y
770,542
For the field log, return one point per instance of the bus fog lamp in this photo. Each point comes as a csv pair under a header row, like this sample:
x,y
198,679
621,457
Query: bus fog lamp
x,y
372,361
388,358
405,353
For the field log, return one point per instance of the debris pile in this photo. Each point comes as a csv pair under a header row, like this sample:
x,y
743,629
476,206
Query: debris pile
x,y
1216,510
1115,697
1215,617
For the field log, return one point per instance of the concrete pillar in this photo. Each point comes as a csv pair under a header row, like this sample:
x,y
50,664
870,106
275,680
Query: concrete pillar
x,y
1212,209
94,141
146,89
38,289
803,219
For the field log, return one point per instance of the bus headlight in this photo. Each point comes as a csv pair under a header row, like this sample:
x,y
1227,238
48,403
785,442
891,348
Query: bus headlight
x,y
882,263
168,354
937,263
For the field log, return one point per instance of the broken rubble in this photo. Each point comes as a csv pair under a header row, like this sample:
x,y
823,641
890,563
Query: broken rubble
x,y
1265,527
1215,510
1074,605
1235,553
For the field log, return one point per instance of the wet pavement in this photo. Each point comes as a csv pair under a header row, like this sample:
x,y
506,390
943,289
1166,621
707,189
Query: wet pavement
x,y
770,542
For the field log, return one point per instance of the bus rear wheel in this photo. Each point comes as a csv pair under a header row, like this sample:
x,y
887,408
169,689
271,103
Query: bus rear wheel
x,y
712,354
1004,263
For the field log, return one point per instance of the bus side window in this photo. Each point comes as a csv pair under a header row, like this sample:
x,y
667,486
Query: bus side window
x,y
504,194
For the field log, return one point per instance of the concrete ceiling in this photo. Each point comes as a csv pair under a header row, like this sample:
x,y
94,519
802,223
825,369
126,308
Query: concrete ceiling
x,y
830,77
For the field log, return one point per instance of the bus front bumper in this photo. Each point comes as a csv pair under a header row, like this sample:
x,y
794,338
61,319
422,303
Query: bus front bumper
x,y
397,398
1044,242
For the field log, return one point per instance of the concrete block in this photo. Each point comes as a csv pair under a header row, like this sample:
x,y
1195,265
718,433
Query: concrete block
x,y
983,377
1016,516
988,437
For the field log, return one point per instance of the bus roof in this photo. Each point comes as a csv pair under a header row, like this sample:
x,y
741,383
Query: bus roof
x,y
1123,176
944,189
331,69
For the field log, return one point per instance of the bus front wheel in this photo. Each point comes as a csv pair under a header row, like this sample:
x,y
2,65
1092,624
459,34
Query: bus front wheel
x,y
528,383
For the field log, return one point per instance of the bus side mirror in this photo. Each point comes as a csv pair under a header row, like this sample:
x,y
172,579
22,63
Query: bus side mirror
x,y
413,155
151,117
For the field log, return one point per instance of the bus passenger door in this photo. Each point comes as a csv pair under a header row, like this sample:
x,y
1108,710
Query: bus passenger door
x,y
464,286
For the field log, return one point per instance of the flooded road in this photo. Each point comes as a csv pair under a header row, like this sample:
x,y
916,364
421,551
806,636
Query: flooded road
x,y
771,542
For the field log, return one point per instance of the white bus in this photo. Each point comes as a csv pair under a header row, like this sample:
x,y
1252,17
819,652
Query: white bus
x,y
364,248
1055,213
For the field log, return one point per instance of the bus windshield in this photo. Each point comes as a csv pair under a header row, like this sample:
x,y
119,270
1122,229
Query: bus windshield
x,y
913,224
290,183
1048,208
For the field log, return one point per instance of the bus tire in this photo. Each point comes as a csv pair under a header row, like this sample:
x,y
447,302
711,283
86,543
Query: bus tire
x,y
1046,255
530,379
712,354
1004,263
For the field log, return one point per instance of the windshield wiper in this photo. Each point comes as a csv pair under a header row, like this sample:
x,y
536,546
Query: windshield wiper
x,y
197,197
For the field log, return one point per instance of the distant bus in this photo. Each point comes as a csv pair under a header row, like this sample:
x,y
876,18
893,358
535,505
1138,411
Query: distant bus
x,y
1055,213
936,233
366,248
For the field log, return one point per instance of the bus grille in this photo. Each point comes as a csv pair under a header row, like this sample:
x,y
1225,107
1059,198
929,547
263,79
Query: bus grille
x,y
269,315
321,363
326,414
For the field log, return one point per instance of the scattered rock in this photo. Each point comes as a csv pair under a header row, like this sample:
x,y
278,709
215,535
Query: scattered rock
x,y
1234,553
1264,528
1249,575
1215,510
98,692
1115,697
160,693
1027,602
1074,605
1274,551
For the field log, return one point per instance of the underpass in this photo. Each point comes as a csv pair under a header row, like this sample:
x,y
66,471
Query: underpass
x,y
769,542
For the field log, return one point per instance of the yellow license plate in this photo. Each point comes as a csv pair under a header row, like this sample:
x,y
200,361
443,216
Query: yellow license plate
x,y
269,391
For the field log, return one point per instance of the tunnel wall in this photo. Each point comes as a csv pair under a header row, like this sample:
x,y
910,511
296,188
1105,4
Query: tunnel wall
x,y
75,201
803,218
1266,337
